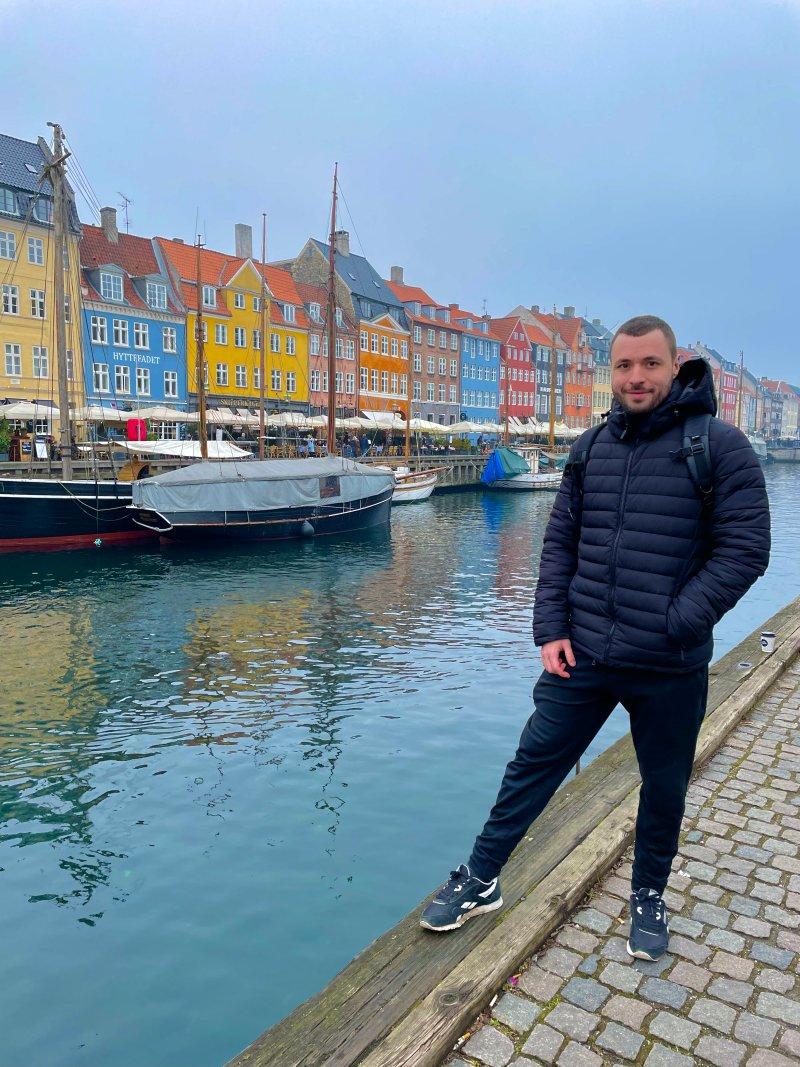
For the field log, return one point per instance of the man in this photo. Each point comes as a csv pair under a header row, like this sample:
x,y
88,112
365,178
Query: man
x,y
635,572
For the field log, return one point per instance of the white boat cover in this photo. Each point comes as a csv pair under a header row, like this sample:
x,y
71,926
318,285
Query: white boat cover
x,y
183,449
261,485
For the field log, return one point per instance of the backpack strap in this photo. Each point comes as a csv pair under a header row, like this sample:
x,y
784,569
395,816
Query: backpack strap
x,y
697,453
576,468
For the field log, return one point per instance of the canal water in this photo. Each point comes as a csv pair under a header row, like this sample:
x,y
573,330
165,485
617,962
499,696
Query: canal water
x,y
224,772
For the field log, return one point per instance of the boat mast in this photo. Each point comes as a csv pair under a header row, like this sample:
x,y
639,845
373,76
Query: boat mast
x,y
331,324
56,174
200,365
553,384
739,392
262,358
508,390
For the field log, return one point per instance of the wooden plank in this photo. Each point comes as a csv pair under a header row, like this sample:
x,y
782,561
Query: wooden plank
x,y
394,976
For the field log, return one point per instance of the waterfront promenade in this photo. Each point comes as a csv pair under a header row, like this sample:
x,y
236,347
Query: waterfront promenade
x,y
727,991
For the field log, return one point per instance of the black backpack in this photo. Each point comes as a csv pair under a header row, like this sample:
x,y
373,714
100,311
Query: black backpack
x,y
696,451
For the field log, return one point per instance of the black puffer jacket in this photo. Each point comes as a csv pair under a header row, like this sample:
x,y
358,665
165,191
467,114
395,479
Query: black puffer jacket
x,y
652,573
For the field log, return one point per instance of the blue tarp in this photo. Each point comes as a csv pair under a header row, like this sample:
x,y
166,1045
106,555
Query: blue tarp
x,y
503,463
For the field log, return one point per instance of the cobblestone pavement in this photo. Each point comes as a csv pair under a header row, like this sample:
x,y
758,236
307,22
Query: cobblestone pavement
x,y
727,992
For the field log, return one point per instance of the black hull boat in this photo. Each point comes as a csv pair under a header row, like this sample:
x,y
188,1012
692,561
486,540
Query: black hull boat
x,y
47,513
271,500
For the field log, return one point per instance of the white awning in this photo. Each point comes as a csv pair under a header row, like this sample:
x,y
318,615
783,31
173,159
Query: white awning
x,y
183,449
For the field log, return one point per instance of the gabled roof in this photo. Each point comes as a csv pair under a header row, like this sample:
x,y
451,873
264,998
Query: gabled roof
x,y
315,294
21,163
134,255
408,294
462,314
537,335
505,327
360,276
568,329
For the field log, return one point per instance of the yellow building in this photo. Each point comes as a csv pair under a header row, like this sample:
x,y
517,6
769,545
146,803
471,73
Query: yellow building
x,y
231,293
601,391
28,369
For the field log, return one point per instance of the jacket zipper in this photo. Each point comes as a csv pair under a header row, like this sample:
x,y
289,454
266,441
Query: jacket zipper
x,y
613,564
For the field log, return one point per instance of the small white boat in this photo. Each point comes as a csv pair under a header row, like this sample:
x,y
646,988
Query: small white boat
x,y
411,486
516,470
529,482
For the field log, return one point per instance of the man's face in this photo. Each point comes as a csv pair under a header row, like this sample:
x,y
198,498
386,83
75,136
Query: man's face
x,y
642,371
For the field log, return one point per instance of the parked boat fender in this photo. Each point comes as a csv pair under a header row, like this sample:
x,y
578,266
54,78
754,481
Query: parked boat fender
x,y
307,530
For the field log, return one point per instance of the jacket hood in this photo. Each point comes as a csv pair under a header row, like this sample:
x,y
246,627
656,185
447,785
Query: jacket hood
x,y
691,393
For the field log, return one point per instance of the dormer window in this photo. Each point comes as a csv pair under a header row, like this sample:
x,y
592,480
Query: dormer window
x,y
209,296
417,307
288,312
339,317
42,210
315,312
446,314
485,327
157,296
111,286
8,202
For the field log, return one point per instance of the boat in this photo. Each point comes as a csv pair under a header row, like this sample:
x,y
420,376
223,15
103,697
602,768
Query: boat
x,y
70,511
411,486
508,469
265,500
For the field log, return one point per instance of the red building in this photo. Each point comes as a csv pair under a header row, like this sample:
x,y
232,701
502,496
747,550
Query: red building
x,y
517,369
315,301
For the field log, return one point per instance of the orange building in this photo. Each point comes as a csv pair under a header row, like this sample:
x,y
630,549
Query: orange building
x,y
579,372
383,356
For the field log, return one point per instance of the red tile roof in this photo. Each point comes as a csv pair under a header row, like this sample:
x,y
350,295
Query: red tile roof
x,y
410,293
505,327
463,313
133,254
537,335
569,329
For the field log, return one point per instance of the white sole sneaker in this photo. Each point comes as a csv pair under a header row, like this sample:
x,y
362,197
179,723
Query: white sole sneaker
x,y
479,910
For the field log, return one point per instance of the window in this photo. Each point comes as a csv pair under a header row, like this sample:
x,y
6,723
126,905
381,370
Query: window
x,y
384,346
11,300
325,382
350,386
257,378
42,210
143,380
291,346
314,311
122,379
349,348
339,317
110,286
431,337
169,337
291,379
442,338
240,337
315,381
275,381
8,202
404,349
339,347
256,303
363,377
431,365
67,308
35,250
288,313
100,377
394,346
209,296
417,391
363,340
452,394
8,244
339,382
238,300
170,383
98,326
274,342
13,360
404,385
417,335
431,391
373,342
37,303
384,381
120,332
40,362
141,335
222,374
241,376
453,342
373,381
442,393
314,344
157,296
257,340
453,368
220,334
394,384
443,366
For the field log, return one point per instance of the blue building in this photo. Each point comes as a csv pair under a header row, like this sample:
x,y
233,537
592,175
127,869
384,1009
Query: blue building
x,y
480,367
134,330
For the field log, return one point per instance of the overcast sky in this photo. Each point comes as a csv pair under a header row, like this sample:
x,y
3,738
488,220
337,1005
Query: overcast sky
x,y
623,157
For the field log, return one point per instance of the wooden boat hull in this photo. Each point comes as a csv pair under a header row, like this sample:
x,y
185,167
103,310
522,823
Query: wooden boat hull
x,y
318,520
409,488
46,513
529,483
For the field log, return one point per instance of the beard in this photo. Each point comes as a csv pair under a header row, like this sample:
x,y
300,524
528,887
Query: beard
x,y
641,405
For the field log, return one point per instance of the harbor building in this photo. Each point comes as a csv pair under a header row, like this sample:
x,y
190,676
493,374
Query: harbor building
x,y
480,367
517,369
315,301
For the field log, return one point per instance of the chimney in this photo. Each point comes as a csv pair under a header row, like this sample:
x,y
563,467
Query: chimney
x,y
396,275
569,313
596,322
243,237
178,240
108,224
341,242
453,307
535,309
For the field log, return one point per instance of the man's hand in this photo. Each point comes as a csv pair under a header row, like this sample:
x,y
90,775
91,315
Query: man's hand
x,y
556,655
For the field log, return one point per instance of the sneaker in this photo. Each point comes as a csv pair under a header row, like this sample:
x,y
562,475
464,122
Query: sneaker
x,y
461,897
649,934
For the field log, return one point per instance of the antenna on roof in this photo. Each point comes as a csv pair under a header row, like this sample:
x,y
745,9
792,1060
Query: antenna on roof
x,y
484,305
124,205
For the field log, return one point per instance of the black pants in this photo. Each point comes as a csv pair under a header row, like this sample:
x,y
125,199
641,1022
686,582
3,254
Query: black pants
x,y
666,711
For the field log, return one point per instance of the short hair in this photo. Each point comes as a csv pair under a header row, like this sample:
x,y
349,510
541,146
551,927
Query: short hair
x,y
639,325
